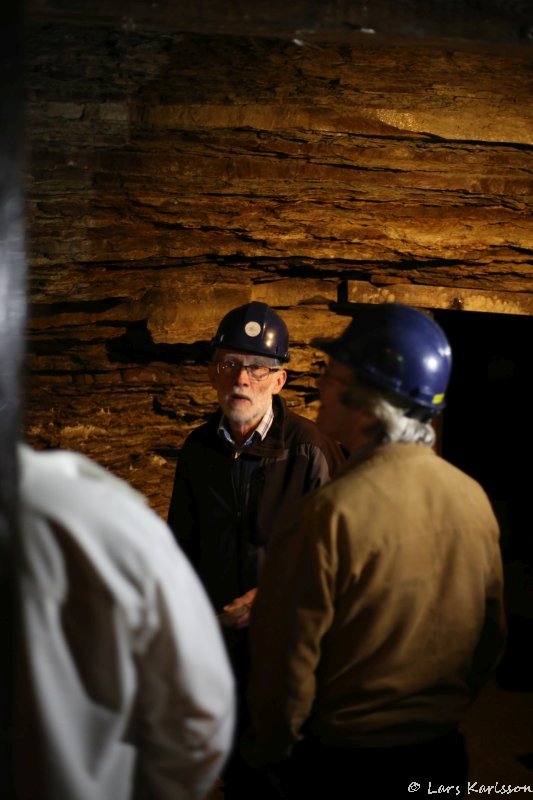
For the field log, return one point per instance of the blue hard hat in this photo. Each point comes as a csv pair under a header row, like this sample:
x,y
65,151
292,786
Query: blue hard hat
x,y
254,328
399,349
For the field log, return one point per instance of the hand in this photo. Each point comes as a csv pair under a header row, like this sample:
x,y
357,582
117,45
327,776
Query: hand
x,y
237,613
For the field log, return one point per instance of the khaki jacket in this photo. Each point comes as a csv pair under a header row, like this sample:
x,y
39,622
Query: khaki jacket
x,y
380,614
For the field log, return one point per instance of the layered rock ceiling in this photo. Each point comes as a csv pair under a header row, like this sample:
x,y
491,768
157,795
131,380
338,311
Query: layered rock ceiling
x,y
172,175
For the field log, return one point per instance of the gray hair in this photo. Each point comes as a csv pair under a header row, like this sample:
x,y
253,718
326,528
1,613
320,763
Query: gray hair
x,y
398,426
393,420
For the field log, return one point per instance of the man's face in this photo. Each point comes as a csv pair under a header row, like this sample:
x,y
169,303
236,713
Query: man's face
x,y
244,400
351,427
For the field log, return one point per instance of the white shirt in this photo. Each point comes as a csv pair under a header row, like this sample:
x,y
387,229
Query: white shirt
x,y
124,654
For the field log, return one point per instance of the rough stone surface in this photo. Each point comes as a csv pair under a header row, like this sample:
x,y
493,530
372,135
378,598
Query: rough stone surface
x,y
172,176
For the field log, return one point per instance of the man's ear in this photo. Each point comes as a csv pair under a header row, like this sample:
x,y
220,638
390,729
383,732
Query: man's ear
x,y
279,383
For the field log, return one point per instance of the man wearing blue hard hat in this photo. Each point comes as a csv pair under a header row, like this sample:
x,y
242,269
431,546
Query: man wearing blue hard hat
x,y
238,476
379,613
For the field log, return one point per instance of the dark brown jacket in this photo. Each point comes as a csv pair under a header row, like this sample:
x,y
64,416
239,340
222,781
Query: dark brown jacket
x,y
225,505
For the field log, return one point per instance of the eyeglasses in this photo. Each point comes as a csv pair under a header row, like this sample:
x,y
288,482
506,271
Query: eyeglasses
x,y
256,371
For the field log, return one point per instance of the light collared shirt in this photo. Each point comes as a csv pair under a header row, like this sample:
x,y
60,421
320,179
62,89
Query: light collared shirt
x,y
224,430
111,617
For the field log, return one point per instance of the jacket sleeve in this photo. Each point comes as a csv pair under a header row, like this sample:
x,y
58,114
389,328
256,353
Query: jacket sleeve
x,y
492,640
182,512
185,699
292,612
325,461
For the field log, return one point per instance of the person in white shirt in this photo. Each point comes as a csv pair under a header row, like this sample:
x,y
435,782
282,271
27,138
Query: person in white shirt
x,y
123,683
